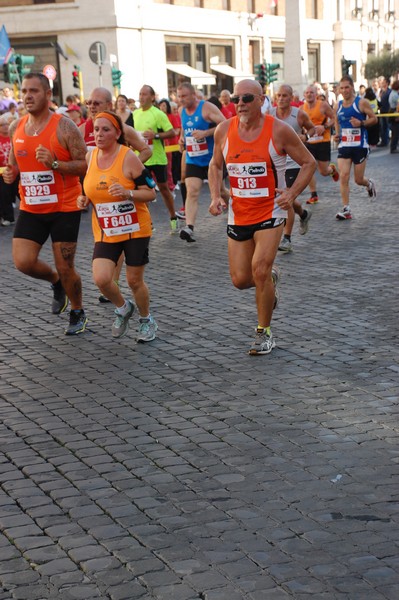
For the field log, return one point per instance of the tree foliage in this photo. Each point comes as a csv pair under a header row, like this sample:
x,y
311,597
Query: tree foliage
x,y
386,64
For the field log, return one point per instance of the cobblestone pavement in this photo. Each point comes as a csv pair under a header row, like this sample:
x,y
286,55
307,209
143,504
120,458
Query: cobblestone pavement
x,y
186,469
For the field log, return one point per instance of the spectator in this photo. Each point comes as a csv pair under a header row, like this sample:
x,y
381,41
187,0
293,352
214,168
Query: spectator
x,y
384,108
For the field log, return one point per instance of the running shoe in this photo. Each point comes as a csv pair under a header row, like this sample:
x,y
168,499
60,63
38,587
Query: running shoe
x,y
312,200
285,245
77,322
174,226
187,234
304,223
276,276
263,343
343,214
147,330
371,189
181,214
334,173
120,325
60,299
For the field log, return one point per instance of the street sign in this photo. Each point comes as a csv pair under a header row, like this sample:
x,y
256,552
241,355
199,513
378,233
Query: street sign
x,y
97,53
50,72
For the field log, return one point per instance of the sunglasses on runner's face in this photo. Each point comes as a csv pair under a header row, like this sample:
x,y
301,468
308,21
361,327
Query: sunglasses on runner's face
x,y
93,103
246,98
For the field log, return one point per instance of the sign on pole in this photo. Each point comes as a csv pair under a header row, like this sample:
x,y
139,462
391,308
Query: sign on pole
x,y
97,54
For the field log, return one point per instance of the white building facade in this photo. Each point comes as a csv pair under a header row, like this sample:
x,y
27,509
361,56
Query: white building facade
x,y
213,43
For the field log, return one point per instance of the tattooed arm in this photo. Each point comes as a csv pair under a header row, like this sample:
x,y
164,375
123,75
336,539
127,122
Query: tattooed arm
x,y
71,139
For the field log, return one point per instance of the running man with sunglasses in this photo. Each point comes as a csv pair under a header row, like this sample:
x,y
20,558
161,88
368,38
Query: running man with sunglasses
x,y
254,147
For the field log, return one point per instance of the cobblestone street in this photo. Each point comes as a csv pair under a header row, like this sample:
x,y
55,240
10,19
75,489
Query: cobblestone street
x,y
186,469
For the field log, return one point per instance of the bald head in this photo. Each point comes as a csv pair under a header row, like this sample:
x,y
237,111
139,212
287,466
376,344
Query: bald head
x,y
103,92
285,88
248,86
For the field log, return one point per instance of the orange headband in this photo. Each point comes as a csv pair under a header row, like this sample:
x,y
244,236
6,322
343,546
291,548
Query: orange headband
x,y
111,118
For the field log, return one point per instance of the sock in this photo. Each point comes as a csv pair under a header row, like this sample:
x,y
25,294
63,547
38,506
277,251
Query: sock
x,y
183,192
314,194
266,330
124,309
287,237
173,218
304,215
191,227
145,318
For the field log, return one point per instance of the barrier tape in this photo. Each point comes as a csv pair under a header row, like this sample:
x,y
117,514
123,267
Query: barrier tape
x,y
388,115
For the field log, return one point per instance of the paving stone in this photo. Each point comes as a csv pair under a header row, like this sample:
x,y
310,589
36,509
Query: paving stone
x,y
185,467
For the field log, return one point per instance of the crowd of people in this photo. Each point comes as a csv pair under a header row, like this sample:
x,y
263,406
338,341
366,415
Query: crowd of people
x,y
257,153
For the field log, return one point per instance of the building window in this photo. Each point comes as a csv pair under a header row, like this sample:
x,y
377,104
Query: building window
x,y
357,9
251,6
373,14
312,9
226,4
224,54
278,59
313,64
178,53
389,10
371,49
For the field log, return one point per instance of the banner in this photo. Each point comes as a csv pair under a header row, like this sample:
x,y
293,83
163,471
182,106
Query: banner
x,y
5,47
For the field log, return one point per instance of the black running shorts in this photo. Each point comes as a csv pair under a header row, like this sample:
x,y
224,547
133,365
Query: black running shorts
x,y
242,233
290,176
135,251
160,172
320,151
60,226
196,171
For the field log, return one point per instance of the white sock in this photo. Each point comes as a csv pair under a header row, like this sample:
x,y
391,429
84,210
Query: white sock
x,y
123,310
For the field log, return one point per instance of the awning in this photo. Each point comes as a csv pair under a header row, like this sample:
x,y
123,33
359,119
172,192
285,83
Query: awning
x,y
232,72
196,77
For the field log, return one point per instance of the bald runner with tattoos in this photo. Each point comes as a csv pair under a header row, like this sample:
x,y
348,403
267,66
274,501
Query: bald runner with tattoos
x,y
48,152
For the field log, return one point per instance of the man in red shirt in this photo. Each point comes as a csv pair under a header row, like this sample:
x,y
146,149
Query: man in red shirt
x,y
228,108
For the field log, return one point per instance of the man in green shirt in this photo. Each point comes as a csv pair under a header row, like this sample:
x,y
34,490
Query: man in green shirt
x,y
155,126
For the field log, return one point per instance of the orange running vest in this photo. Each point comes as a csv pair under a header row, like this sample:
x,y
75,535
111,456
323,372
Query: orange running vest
x,y
317,118
255,170
114,219
43,190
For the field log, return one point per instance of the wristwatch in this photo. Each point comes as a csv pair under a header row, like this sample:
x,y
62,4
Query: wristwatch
x,y
156,136
131,194
54,165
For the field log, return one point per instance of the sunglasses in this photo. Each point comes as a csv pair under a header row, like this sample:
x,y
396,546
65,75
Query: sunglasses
x,y
246,98
93,103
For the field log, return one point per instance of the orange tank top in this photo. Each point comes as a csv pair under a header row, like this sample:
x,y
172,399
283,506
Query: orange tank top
x,y
255,170
43,190
114,219
317,118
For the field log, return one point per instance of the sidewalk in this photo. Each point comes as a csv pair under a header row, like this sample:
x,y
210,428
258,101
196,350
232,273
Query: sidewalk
x,y
185,469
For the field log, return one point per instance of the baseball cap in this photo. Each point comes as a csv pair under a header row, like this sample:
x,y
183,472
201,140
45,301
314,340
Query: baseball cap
x,y
72,107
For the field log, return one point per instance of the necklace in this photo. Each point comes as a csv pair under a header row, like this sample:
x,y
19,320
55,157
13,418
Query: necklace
x,y
38,129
